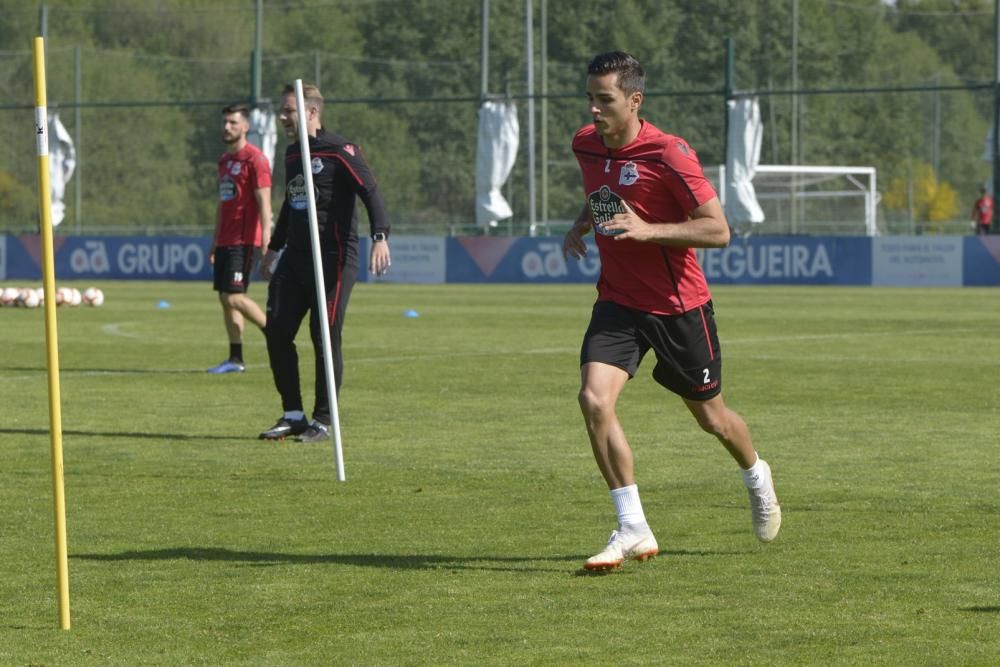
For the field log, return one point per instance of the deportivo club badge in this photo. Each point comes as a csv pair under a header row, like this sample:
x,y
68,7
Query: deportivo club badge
x,y
629,174
317,165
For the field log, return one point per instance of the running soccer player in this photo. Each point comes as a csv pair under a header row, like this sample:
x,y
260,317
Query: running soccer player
x,y
242,227
649,203
341,176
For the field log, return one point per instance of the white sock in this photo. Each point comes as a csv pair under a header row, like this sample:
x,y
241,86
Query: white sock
x,y
629,507
753,476
295,415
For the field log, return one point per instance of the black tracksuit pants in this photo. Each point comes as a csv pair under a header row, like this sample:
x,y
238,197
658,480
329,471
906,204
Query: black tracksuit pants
x,y
290,295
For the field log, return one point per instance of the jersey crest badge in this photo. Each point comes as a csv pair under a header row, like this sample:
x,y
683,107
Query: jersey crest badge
x,y
236,169
629,174
317,165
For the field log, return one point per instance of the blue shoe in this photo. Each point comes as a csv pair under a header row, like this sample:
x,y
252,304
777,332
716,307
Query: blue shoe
x,y
228,366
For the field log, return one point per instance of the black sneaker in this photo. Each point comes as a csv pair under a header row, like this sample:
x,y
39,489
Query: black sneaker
x,y
284,428
317,432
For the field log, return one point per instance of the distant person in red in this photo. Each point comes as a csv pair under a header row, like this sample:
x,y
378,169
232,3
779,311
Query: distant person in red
x,y
242,228
982,212
650,205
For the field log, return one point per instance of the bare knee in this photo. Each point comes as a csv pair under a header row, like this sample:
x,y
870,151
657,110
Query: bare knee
x,y
593,403
714,422
229,300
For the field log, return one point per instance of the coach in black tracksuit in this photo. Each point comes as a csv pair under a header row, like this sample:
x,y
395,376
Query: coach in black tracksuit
x,y
340,177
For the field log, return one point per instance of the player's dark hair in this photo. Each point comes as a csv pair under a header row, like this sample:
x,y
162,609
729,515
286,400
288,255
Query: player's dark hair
x,y
240,108
631,76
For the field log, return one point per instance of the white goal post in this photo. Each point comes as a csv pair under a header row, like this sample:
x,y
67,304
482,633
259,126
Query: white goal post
x,y
808,199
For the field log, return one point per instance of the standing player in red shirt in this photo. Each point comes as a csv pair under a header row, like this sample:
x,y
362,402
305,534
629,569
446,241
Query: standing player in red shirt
x,y
650,205
242,228
982,212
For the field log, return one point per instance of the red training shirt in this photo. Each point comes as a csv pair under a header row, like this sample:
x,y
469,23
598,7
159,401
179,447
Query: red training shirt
x,y
983,210
241,173
660,177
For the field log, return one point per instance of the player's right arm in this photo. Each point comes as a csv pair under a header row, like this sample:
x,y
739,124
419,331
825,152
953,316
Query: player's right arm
x,y
276,244
215,234
573,245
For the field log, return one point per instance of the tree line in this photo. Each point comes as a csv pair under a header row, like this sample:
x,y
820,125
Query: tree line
x,y
403,80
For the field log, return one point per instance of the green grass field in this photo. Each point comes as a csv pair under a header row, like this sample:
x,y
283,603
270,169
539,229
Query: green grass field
x,y
471,496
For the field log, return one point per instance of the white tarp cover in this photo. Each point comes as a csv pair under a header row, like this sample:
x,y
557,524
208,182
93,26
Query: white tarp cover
x,y
263,132
496,150
746,132
62,163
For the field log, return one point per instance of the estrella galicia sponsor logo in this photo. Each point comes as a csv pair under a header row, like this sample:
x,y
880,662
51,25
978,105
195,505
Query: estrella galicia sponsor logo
x,y
296,193
317,165
629,174
227,189
604,205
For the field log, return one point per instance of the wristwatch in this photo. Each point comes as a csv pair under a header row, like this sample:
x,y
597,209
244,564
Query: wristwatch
x,y
380,236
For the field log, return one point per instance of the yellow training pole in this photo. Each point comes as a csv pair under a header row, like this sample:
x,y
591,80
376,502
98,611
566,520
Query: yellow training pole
x,y
51,337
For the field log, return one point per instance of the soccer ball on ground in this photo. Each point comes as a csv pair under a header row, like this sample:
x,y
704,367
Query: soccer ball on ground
x,y
8,296
63,296
93,296
29,298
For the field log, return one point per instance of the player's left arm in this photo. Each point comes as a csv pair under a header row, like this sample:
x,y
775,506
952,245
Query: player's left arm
x,y
378,217
706,227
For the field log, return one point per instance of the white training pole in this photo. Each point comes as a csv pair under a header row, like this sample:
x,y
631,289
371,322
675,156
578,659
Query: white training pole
x,y
317,255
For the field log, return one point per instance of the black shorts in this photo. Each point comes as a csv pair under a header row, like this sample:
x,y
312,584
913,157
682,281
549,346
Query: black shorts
x,y
688,358
232,269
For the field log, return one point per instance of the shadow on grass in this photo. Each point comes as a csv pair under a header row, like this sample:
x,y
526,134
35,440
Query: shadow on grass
x,y
107,371
124,434
994,609
664,553
390,561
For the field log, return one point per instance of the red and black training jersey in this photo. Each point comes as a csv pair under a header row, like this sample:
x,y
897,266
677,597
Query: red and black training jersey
x,y
240,174
660,177
983,210
340,176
